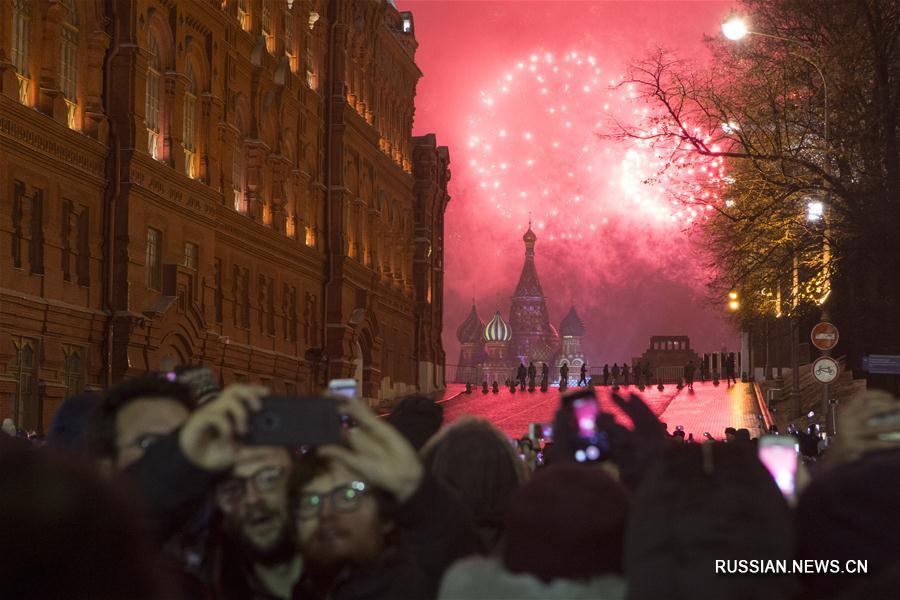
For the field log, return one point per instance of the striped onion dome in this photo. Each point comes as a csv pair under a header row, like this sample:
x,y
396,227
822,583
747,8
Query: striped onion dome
x,y
497,330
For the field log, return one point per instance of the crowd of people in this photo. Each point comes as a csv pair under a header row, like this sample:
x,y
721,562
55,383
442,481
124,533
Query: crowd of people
x,y
150,491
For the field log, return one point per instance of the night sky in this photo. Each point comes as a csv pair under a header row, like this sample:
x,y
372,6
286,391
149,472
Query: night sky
x,y
523,93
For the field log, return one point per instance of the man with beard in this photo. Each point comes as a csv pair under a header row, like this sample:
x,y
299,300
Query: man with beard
x,y
258,560
370,522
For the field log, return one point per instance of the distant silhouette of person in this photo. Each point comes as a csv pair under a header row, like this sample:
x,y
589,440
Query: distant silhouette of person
x,y
564,376
532,375
625,373
484,388
730,369
637,373
545,377
583,379
606,374
495,388
689,375
615,373
521,374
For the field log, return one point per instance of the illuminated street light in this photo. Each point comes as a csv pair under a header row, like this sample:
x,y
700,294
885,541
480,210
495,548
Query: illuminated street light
x,y
733,303
815,210
735,28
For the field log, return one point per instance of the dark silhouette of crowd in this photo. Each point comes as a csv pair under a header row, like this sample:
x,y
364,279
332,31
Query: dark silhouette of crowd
x,y
152,491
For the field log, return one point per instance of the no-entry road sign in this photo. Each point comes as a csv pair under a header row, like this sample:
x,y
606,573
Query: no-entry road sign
x,y
825,369
824,336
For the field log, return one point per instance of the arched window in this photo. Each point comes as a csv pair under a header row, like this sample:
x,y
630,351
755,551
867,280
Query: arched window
x,y
68,60
21,34
151,110
189,133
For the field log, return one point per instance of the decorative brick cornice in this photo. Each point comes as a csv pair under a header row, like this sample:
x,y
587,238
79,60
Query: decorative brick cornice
x,y
79,152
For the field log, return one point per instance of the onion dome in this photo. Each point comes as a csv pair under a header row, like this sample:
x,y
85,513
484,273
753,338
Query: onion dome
x,y
530,238
571,325
469,332
497,330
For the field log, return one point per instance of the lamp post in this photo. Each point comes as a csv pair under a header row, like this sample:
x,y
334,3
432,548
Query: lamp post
x,y
735,28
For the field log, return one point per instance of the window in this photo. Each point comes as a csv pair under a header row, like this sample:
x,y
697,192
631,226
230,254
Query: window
x,y
83,266
270,307
151,110
243,15
18,210
36,247
68,60
217,275
290,225
73,370
311,79
267,30
191,255
26,409
189,133
21,34
154,259
245,298
407,25
66,227
289,39
237,174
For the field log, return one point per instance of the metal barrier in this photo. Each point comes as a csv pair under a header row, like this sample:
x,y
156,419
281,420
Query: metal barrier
x,y
669,374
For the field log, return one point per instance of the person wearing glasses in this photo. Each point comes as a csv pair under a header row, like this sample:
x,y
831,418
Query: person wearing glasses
x,y
369,521
258,559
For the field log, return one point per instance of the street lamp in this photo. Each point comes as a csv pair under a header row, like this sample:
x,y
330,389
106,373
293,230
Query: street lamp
x,y
815,210
733,302
734,28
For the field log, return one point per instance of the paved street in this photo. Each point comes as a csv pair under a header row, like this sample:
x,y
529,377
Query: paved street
x,y
708,408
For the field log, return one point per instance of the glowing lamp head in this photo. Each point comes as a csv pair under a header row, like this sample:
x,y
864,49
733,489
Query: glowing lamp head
x,y
735,28
814,210
732,295
734,305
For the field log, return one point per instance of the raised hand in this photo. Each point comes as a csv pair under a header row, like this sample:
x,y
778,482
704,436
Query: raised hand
x,y
377,453
211,436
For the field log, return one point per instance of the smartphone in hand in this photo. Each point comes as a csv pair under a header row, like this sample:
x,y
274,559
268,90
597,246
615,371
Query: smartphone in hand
x,y
294,421
779,454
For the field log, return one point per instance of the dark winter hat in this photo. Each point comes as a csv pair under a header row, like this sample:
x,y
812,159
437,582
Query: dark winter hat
x,y
580,512
69,426
417,418
851,513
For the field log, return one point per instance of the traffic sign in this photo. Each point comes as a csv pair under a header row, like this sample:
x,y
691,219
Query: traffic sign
x,y
826,369
824,336
882,363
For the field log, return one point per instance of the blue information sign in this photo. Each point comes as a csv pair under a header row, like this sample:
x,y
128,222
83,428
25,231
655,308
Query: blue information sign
x,y
888,364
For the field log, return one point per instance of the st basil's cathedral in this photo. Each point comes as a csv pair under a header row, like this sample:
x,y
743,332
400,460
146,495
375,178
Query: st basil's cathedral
x,y
494,351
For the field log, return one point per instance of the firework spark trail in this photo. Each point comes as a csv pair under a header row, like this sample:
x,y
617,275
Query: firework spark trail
x,y
535,148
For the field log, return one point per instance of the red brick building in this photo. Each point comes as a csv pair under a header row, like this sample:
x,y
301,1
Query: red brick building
x,y
228,182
